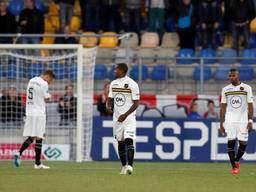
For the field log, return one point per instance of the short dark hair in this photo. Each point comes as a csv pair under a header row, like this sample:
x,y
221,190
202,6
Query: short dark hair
x,y
49,73
233,70
210,101
122,66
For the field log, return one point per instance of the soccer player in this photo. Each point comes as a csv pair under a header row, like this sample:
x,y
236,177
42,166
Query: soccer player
x,y
124,98
34,129
236,117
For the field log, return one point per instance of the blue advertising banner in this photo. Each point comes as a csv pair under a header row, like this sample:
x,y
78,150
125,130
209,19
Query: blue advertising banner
x,y
161,139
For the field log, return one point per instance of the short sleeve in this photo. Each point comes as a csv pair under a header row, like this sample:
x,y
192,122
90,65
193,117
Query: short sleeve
x,y
135,92
249,95
46,91
223,97
110,94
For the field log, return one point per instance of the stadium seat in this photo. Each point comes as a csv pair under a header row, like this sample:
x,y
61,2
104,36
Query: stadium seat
x,y
15,7
75,24
1,71
228,56
154,112
222,73
135,71
252,40
72,72
15,71
160,72
149,40
174,111
39,5
77,9
109,42
197,73
53,9
100,72
112,73
121,55
253,25
48,40
245,73
89,41
133,41
208,53
59,70
248,53
185,56
35,70
170,40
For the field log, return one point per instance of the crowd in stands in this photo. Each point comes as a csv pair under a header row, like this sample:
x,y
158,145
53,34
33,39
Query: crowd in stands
x,y
194,20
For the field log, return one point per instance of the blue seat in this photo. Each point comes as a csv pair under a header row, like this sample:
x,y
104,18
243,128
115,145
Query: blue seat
x,y
134,74
248,53
15,7
252,40
222,73
59,71
207,73
160,72
35,70
245,73
228,56
111,74
100,72
208,53
2,74
170,24
15,71
39,5
186,54
72,72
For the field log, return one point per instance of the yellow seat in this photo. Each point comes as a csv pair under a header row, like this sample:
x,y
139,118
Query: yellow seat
x,y
89,41
109,42
75,24
51,23
77,8
47,40
149,40
253,25
53,9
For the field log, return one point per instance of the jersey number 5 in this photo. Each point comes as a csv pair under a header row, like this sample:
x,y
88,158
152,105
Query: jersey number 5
x,y
30,93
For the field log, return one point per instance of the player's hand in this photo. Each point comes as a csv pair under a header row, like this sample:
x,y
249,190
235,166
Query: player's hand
x,y
121,118
222,130
62,104
249,126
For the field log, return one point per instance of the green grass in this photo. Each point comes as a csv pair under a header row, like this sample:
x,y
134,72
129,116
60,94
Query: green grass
x,y
104,177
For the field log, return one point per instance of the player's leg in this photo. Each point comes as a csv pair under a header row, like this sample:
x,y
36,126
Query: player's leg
x,y
240,153
130,154
38,151
122,156
24,146
231,152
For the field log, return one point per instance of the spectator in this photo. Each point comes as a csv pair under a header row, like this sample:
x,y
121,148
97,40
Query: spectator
x,y
156,9
133,17
66,9
194,115
186,23
211,113
241,13
67,106
90,15
209,17
66,39
101,105
31,21
7,20
110,15
11,107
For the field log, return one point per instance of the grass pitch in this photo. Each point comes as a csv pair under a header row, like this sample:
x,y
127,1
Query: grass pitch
x,y
104,177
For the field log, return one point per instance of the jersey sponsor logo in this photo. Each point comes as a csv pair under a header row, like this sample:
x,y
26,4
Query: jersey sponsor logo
x,y
236,102
241,88
120,99
126,86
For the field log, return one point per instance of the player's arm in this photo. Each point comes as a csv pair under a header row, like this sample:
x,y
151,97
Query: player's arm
x,y
223,107
110,100
47,96
250,109
132,109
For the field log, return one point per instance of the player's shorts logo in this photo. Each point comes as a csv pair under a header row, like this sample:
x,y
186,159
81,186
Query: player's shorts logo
x,y
236,101
120,99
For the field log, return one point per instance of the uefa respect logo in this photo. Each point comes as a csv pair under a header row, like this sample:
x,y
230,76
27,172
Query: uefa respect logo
x,y
52,152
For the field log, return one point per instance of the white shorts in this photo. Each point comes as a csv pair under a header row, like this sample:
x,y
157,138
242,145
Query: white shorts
x,y
236,130
124,130
35,126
